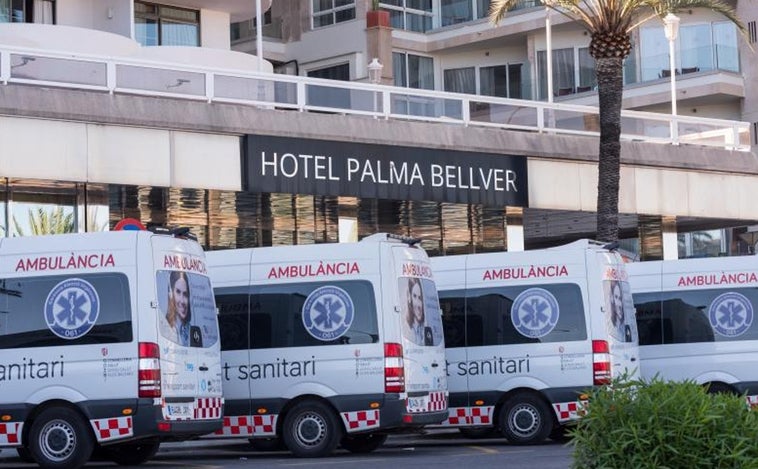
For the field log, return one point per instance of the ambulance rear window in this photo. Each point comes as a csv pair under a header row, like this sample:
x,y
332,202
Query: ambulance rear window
x,y
48,311
187,308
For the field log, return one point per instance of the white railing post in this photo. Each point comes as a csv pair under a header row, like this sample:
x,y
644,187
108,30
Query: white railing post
x,y
209,86
674,130
466,111
540,118
110,76
386,103
5,66
300,88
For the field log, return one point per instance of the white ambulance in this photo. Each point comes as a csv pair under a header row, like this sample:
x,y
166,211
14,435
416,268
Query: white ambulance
x,y
86,362
696,319
528,332
330,343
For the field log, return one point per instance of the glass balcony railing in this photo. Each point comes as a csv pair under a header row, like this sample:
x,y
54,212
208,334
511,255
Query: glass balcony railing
x,y
33,67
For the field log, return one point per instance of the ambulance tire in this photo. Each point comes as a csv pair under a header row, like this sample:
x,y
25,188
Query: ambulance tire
x,y
560,434
525,419
132,454
267,444
60,439
719,388
364,443
24,454
311,430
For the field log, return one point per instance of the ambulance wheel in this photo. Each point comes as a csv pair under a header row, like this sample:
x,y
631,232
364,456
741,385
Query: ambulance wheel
x,y
719,388
560,434
24,454
525,419
311,430
59,438
132,454
364,443
267,444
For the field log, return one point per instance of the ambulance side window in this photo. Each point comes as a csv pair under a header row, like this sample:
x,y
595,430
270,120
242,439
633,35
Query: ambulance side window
x,y
707,315
649,322
60,310
233,318
271,316
452,303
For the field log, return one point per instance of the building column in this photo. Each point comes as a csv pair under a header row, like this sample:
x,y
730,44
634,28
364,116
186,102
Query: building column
x,y
514,228
670,239
379,45
658,237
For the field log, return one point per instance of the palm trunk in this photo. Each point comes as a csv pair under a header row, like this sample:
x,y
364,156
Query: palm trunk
x,y
610,88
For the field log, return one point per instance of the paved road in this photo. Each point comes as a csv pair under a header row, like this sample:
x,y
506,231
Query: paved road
x,y
439,449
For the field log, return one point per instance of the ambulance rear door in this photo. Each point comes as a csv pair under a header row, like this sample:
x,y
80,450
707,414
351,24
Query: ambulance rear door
x,y
188,336
421,324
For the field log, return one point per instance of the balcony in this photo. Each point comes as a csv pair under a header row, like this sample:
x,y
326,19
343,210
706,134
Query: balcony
x,y
161,75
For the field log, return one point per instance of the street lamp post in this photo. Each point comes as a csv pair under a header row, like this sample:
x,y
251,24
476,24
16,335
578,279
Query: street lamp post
x,y
375,76
671,27
375,71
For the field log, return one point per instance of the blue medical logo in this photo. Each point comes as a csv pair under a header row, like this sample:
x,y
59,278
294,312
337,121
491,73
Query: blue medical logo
x,y
534,312
328,313
730,314
71,308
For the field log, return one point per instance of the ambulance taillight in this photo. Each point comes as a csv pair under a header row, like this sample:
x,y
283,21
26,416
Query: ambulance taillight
x,y
149,373
601,362
394,372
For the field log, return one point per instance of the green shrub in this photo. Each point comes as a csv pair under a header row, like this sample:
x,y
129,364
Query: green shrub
x,y
665,425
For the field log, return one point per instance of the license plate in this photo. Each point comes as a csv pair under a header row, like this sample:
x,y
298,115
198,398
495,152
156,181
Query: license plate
x,y
179,410
417,403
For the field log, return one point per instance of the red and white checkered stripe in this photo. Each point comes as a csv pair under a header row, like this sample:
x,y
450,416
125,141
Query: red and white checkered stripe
x,y
248,425
457,416
10,433
481,415
209,407
567,410
113,428
437,401
467,416
360,420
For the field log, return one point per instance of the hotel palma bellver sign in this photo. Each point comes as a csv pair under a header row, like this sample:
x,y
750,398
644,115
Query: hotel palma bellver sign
x,y
321,167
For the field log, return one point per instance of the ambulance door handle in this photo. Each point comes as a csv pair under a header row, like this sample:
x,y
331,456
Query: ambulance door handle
x,y
634,359
203,368
435,365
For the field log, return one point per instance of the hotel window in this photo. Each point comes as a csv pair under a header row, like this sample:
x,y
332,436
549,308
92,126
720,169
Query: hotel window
x,y
699,47
411,15
573,71
413,71
500,80
327,12
161,25
460,11
27,11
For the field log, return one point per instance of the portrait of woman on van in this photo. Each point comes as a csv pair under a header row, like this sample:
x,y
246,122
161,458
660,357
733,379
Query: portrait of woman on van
x,y
620,329
416,330
178,314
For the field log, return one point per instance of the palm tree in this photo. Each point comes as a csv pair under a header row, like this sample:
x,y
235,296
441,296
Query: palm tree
x,y
47,221
610,23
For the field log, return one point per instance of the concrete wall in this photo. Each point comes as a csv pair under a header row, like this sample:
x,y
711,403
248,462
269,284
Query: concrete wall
x,y
75,151
657,179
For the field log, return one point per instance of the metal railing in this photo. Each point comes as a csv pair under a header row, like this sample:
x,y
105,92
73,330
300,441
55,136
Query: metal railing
x,y
142,77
